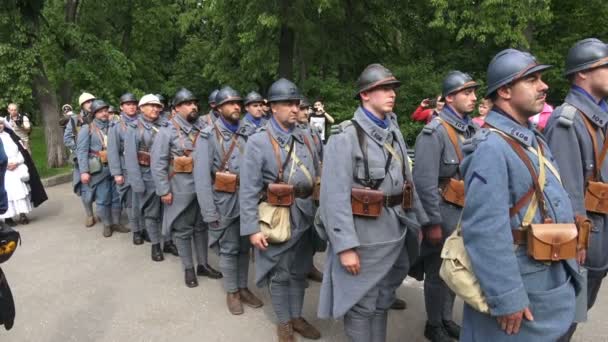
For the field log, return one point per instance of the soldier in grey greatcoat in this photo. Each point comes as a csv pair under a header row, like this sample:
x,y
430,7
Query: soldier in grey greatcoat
x,y
570,140
438,159
210,117
181,213
254,116
219,150
283,266
70,135
528,300
91,151
138,142
365,255
118,168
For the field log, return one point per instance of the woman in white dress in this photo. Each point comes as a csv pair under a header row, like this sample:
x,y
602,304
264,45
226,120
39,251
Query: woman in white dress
x,y
15,181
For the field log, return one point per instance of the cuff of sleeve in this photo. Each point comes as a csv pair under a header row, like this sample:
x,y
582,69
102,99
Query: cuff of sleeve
x,y
508,303
341,245
211,217
163,191
249,229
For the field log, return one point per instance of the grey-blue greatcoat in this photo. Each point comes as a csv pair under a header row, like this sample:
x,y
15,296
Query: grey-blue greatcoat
x,y
379,242
496,178
116,154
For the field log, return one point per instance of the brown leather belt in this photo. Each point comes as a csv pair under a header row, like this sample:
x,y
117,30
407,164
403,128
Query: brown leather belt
x,y
302,193
393,200
520,237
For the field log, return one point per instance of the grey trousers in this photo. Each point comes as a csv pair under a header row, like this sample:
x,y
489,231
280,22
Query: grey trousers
x,y
187,233
233,250
594,283
287,280
438,298
136,221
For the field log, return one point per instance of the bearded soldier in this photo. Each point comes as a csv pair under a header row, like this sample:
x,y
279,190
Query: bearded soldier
x,y
172,164
216,169
118,168
279,163
367,239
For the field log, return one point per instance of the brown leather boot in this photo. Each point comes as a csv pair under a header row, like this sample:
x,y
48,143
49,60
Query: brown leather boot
x,y
302,327
119,228
89,221
107,230
285,332
249,299
235,306
315,275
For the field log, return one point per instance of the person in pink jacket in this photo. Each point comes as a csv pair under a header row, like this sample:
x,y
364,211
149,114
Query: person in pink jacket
x,y
540,119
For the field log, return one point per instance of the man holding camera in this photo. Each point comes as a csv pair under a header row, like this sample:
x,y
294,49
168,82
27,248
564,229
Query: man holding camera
x,y
320,118
20,124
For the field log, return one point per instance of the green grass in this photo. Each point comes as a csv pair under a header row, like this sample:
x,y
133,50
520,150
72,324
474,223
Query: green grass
x,y
38,146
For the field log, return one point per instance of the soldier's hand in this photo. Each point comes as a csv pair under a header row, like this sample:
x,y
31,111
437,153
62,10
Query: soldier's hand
x,y
167,199
350,261
85,178
581,256
433,234
120,180
511,323
258,240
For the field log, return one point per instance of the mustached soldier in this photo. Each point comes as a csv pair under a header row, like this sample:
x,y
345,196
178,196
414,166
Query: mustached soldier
x,y
438,155
279,162
91,150
367,252
172,164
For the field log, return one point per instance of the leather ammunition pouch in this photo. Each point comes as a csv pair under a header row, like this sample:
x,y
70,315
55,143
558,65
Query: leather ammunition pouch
x,y
280,194
366,202
143,158
552,242
407,201
103,156
182,164
596,197
226,182
453,192
584,225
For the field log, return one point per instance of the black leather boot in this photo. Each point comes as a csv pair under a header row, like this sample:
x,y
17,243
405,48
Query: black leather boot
x,y
190,277
157,253
208,271
138,239
170,247
436,333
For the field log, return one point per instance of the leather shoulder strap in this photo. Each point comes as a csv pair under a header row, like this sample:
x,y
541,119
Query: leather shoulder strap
x,y
229,153
453,138
598,156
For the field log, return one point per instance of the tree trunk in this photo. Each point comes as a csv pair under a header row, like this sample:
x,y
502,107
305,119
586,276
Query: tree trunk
x,y
45,97
286,44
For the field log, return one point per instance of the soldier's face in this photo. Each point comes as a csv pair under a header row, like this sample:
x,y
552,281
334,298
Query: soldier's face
x,y
528,95
286,112
188,110
255,109
129,108
380,99
230,111
598,78
87,105
102,114
151,111
12,110
303,115
463,101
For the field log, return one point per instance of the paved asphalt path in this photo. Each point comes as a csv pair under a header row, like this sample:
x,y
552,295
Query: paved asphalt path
x,y
72,284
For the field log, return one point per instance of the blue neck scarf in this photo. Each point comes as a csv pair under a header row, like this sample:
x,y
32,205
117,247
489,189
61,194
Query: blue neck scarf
x,y
601,103
381,123
231,127
255,121
451,110
275,124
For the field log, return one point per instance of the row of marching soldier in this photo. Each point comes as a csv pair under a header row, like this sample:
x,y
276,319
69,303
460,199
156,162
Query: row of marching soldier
x,y
505,217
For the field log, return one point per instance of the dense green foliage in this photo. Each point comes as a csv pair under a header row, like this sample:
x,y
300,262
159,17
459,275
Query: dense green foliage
x,y
108,47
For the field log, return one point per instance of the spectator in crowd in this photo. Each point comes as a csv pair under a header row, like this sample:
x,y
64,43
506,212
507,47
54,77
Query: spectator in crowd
x,y
20,124
428,109
540,119
17,174
320,118
484,108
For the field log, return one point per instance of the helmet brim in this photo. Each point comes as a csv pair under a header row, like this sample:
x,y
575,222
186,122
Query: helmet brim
x,y
389,81
518,76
